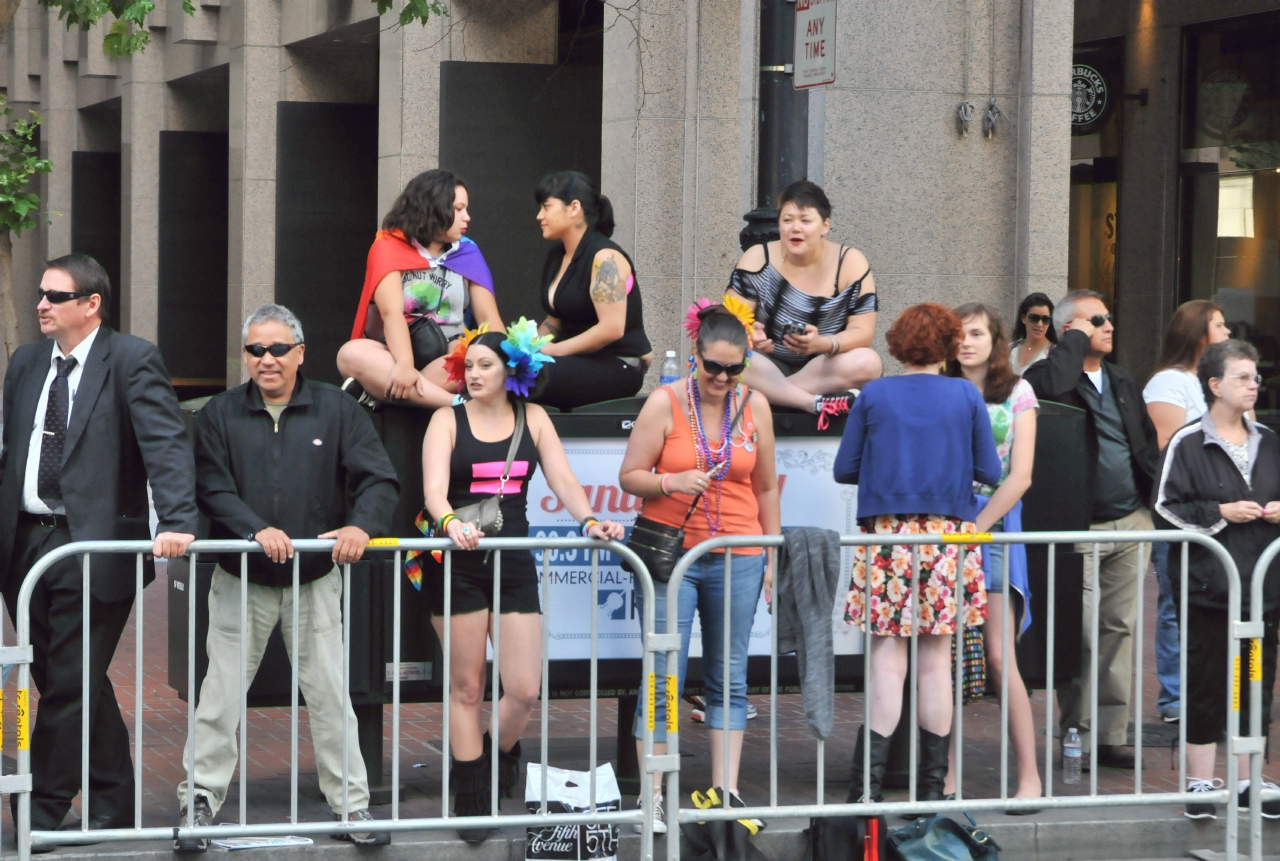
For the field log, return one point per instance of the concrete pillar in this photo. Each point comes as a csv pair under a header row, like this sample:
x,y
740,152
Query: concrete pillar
x,y
58,138
1044,147
678,96
142,116
255,74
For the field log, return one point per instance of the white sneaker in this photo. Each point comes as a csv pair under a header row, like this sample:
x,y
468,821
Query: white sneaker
x,y
659,817
1202,810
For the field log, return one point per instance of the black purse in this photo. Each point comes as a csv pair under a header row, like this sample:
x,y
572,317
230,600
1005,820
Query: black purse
x,y
660,545
428,341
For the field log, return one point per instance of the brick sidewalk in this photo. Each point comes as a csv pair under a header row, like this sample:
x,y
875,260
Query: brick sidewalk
x,y
165,724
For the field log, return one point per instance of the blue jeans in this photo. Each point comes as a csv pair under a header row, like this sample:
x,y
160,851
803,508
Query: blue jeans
x,y
1167,641
703,590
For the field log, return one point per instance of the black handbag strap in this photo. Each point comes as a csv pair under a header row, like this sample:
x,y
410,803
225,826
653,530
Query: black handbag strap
x,y
511,452
736,418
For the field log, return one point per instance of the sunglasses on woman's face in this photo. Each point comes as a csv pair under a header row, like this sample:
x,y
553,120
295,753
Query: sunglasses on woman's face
x,y
277,350
715,369
1037,319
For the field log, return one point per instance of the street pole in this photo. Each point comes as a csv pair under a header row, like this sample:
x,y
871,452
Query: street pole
x,y
784,122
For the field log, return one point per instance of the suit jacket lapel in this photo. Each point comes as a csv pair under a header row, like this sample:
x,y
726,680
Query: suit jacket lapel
x,y
92,379
27,401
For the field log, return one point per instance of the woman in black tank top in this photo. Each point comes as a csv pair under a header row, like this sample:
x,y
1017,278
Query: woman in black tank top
x,y
815,305
464,455
591,299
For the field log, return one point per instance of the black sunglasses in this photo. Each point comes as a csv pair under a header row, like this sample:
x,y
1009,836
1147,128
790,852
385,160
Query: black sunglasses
x,y
1037,319
715,369
1098,319
277,350
57,297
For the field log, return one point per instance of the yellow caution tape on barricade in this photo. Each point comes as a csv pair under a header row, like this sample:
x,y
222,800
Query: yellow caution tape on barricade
x,y
1235,687
673,708
1255,660
967,538
24,719
653,698
383,542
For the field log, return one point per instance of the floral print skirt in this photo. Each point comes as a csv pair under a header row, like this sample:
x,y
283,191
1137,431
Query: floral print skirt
x,y
891,576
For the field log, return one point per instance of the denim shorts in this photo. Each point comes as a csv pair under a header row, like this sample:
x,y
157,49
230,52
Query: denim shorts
x,y
993,562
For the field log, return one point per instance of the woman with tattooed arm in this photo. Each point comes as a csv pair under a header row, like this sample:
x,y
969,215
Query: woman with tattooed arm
x,y
591,298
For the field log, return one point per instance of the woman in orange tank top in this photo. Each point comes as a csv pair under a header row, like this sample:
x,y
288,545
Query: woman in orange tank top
x,y
689,442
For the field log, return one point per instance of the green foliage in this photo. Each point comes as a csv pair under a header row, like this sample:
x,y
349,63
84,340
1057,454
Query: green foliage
x,y
19,162
128,32
1260,155
414,10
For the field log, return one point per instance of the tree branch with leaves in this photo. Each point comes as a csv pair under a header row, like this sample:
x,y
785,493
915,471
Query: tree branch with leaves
x,y
20,162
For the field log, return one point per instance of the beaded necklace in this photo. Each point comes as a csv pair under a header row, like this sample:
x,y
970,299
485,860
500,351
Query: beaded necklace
x,y
713,460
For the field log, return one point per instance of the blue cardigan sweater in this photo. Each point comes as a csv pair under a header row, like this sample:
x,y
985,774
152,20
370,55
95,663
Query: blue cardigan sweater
x,y
915,444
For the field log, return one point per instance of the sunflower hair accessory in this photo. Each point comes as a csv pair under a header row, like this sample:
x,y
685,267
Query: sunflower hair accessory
x,y
525,358
455,364
698,311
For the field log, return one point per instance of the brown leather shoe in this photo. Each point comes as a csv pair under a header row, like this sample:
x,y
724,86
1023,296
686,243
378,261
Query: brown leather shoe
x,y
1115,756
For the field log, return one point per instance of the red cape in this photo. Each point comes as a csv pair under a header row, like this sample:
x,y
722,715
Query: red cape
x,y
390,252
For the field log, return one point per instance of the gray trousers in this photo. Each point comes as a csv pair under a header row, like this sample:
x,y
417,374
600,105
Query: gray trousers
x,y
319,662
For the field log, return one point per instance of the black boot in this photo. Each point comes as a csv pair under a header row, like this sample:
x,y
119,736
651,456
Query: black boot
x,y
472,791
508,767
879,759
932,768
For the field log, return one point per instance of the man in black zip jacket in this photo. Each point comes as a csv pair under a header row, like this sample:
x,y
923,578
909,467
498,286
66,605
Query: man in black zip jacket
x,y
1120,459
283,456
1221,476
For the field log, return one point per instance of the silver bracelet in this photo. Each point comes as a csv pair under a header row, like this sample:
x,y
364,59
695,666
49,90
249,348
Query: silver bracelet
x,y
835,346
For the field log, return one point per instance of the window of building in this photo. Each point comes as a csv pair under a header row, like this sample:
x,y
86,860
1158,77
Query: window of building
x,y
1230,167
1096,85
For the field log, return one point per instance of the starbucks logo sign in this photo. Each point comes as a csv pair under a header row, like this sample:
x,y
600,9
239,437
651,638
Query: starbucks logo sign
x,y
1088,95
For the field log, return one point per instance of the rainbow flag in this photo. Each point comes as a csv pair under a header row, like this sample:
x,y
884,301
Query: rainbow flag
x,y
412,565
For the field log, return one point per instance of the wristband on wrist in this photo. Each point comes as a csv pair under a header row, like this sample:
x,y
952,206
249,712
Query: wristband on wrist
x,y
662,485
835,345
444,521
588,523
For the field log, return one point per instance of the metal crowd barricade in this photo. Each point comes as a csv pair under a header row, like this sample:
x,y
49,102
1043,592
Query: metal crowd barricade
x,y
22,655
669,642
1256,744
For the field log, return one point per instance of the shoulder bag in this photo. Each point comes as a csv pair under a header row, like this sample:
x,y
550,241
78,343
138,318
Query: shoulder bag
x,y
660,545
940,838
487,513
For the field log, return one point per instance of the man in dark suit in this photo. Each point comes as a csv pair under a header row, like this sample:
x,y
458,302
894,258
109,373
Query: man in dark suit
x,y
1121,456
89,417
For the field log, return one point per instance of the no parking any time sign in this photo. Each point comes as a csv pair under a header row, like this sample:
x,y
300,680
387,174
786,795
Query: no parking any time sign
x,y
815,55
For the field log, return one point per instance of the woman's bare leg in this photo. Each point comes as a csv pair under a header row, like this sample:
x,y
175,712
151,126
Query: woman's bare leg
x,y
370,363
1022,730
467,664
934,700
717,756
520,647
822,375
888,672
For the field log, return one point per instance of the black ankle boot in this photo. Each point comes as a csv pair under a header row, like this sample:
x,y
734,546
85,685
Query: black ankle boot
x,y
932,768
879,760
508,767
472,791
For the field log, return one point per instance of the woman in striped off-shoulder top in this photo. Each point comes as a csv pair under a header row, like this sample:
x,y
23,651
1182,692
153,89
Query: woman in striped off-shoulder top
x,y
815,306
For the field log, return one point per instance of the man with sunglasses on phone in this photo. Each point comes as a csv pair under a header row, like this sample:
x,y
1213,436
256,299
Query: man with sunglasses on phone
x,y
276,459
1121,456
90,418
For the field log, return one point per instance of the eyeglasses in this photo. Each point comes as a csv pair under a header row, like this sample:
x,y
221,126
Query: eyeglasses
x,y
1037,319
1247,378
277,350
715,369
1098,319
57,297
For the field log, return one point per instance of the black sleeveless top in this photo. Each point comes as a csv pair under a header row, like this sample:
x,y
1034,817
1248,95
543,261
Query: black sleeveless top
x,y
475,470
778,301
573,306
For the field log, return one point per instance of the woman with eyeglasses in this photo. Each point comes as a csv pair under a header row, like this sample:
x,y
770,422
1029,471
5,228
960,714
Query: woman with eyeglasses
x,y
915,445
1033,333
422,280
1174,397
701,455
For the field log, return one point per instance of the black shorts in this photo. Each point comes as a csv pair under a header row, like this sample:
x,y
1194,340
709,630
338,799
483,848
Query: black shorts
x,y
787,369
1205,696
473,583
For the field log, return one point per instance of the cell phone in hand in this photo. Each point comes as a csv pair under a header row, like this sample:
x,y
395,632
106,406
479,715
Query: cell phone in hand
x,y
792,328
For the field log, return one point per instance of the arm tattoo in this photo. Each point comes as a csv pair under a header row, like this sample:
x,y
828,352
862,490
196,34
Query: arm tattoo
x,y
552,328
608,286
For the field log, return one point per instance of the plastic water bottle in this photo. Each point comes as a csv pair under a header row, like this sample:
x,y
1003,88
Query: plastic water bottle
x,y
1072,757
670,369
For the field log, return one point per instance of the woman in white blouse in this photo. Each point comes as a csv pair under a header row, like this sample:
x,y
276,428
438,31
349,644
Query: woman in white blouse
x,y
1033,333
1174,398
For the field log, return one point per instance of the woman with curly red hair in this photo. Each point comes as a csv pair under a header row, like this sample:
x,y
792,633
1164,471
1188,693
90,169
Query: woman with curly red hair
x,y
914,445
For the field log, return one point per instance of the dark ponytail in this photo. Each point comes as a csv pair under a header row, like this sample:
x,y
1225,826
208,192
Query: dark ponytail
x,y
570,185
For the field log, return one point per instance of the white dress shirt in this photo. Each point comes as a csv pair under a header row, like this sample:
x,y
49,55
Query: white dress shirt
x,y
31,500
